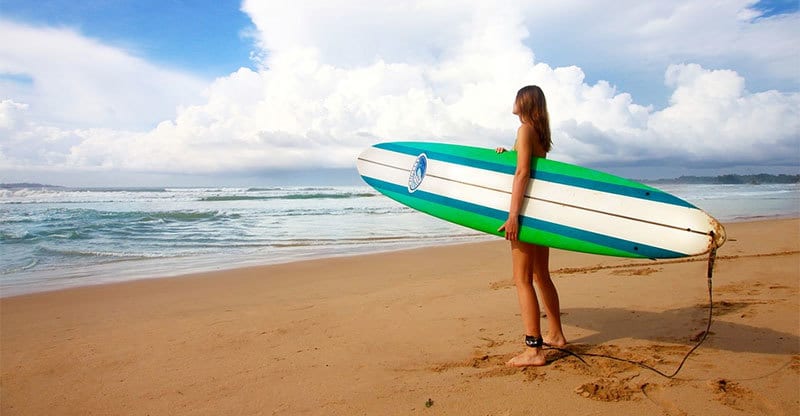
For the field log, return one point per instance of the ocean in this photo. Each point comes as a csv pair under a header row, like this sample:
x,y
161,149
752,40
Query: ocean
x,y
54,238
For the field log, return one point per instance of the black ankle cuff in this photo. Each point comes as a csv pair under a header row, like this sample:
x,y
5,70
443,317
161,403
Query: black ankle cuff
x,y
534,342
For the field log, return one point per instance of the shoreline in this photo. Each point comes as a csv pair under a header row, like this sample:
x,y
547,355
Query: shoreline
x,y
154,268
193,265
393,332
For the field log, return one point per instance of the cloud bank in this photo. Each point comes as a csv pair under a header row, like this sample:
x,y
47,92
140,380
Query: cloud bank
x,y
334,77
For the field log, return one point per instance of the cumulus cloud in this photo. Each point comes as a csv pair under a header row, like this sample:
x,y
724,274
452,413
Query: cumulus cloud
x,y
334,78
70,80
635,36
711,121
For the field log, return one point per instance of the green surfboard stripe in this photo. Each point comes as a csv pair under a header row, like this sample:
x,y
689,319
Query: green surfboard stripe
x,y
543,169
509,158
490,226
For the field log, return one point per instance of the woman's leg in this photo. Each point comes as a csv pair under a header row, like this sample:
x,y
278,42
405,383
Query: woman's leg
x,y
522,258
549,294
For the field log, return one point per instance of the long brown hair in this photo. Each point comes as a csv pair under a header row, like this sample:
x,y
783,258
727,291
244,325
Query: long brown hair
x,y
532,108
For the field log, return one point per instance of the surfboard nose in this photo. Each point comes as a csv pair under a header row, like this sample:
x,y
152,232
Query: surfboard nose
x,y
362,159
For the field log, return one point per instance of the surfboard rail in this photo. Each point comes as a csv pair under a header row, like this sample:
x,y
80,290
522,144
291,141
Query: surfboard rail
x,y
566,206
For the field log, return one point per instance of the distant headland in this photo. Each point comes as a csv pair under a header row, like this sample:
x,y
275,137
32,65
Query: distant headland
x,y
732,179
729,179
27,185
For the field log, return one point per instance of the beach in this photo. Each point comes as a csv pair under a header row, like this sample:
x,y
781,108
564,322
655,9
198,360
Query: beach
x,y
420,331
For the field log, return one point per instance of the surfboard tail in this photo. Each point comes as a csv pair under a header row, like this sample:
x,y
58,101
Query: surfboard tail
x,y
719,236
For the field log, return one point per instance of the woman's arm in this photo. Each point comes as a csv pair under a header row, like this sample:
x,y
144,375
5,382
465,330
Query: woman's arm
x,y
522,174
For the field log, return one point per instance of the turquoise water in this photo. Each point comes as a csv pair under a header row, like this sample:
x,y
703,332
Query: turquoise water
x,y
54,238
732,203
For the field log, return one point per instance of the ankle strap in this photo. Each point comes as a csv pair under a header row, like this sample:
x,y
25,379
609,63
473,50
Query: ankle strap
x,y
534,342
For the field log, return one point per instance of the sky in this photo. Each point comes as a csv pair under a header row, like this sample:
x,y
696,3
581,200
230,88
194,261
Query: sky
x,y
178,92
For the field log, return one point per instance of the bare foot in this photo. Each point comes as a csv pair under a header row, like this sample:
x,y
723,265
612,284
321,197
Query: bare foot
x,y
555,341
531,357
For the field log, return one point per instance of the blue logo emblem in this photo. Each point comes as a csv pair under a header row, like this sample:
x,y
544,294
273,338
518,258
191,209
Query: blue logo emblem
x,y
417,172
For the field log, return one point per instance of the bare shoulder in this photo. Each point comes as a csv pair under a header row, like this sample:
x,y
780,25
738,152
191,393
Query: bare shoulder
x,y
526,129
526,135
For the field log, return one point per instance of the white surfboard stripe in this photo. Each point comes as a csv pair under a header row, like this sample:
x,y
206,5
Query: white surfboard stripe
x,y
612,226
681,217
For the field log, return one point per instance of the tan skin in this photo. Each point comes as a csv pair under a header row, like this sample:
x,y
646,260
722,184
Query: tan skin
x,y
530,262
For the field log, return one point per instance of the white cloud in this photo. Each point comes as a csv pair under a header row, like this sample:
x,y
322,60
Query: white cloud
x,y
714,118
349,33
712,121
635,36
75,81
337,77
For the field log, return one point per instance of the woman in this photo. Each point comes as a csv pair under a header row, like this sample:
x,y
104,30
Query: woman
x,y
531,262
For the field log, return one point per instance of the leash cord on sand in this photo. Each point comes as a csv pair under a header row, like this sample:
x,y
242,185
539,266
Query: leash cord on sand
x,y
711,259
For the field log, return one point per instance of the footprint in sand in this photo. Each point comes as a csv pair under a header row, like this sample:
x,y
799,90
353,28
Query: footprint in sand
x,y
488,364
655,394
609,389
501,284
646,271
734,395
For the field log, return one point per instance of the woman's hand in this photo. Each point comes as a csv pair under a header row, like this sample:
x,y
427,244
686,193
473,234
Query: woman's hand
x,y
500,149
511,228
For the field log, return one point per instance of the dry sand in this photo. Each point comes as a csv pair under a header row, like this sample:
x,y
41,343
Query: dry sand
x,y
422,332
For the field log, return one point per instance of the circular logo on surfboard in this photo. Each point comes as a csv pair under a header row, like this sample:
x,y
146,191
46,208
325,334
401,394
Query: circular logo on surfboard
x,y
417,172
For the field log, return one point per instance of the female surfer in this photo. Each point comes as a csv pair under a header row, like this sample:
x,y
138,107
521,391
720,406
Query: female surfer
x,y
530,262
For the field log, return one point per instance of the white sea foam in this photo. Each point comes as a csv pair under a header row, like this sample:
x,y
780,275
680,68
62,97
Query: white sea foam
x,y
54,237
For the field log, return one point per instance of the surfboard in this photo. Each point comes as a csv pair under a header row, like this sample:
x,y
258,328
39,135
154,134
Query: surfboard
x,y
566,206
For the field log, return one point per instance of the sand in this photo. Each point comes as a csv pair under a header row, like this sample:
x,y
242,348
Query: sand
x,y
418,332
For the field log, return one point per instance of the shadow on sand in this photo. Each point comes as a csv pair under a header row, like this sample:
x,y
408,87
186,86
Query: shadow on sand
x,y
679,326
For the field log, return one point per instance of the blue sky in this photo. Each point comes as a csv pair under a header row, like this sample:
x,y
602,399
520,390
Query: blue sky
x,y
230,90
776,7
205,37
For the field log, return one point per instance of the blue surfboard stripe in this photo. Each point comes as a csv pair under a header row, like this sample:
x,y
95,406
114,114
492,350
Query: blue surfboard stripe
x,y
642,250
649,195
444,157
656,196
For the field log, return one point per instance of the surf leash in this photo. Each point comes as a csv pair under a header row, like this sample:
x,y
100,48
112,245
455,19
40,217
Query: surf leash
x,y
712,257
